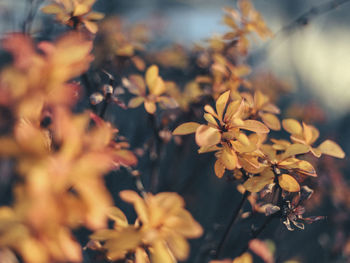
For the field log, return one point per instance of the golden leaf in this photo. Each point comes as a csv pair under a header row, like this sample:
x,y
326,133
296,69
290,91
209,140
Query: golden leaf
x,y
118,216
288,183
229,158
219,168
207,136
186,128
135,102
295,149
221,103
151,75
257,183
331,148
271,121
292,126
52,9
255,126
150,107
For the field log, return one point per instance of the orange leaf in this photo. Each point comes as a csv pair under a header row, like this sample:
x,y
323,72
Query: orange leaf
x,y
288,183
186,128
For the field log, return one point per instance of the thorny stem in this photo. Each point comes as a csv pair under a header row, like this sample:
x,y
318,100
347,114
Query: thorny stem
x,y
230,225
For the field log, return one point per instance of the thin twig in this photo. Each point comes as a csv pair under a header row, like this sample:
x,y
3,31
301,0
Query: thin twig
x,y
230,225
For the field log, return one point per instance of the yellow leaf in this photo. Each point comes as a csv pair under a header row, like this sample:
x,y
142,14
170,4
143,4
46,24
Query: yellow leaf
x,y
232,109
81,9
257,183
160,253
52,9
206,149
292,126
210,119
255,126
151,75
137,85
150,107
229,159
210,110
139,204
306,168
221,103
271,121
186,128
219,168
158,88
244,258
307,132
331,148
288,183
91,26
135,102
295,149
178,245
118,216
207,136
94,16
260,99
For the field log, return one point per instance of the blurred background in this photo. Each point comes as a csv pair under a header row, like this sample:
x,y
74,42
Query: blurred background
x,y
313,57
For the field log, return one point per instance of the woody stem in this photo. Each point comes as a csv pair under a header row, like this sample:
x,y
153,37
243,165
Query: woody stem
x,y
230,225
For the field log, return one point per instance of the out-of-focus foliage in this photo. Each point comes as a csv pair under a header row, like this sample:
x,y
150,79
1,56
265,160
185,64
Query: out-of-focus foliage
x,y
59,144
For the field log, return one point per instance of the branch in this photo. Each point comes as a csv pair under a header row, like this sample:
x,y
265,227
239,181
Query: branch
x,y
306,17
230,225
300,21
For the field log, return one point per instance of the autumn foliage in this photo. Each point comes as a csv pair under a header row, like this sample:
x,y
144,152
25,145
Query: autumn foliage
x,y
57,138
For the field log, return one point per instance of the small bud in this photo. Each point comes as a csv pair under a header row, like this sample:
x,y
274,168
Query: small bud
x,y
96,98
